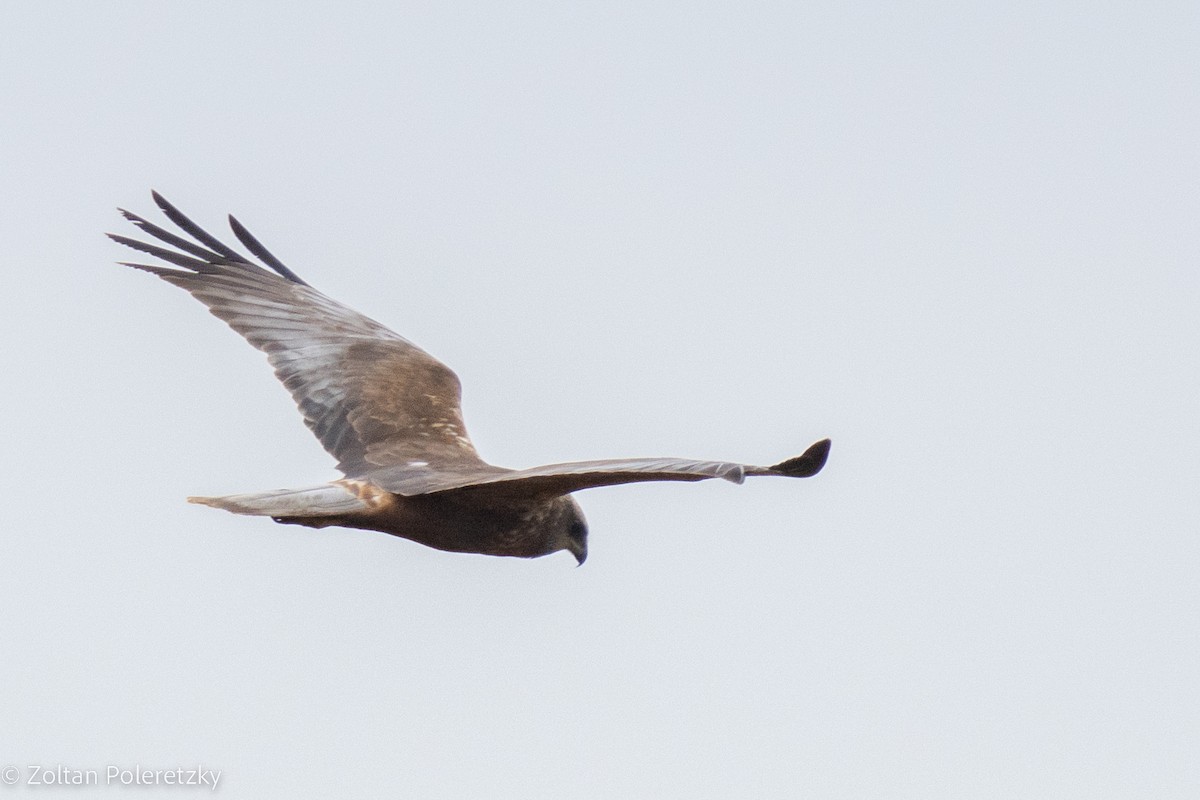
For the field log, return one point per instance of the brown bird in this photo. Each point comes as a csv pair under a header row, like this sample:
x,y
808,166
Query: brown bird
x,y
389,413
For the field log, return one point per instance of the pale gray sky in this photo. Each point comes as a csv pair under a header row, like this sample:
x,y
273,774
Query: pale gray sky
x,y
959,239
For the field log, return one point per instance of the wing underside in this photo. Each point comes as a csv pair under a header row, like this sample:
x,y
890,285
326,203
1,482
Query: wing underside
x,y
571,477
371,397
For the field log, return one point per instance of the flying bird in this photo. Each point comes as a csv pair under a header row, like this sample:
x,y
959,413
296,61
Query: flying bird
x,y
390,414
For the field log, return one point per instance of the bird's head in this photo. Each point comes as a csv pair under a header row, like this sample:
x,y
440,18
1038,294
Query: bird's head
x,y
571,528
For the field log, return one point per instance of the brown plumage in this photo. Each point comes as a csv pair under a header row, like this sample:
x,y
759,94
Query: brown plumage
x,y
389,413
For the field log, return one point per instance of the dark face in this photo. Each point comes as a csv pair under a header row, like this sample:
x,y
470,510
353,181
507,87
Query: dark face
x,y
577,539
570,528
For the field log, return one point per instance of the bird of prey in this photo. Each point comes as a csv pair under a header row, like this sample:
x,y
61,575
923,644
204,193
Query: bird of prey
x,y
389,413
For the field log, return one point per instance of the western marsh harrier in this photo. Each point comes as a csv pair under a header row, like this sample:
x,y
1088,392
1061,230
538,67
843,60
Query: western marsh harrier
x,y
389,413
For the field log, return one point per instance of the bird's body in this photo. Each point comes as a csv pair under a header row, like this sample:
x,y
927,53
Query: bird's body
x,y
390,413
459,521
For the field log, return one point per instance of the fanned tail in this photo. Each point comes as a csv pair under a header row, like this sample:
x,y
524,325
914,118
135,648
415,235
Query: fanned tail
x,y
328,500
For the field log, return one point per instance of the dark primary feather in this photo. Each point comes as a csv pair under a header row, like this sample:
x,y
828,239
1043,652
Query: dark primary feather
x,y
372,398
198,233
170,238
170,256
264,255
805,465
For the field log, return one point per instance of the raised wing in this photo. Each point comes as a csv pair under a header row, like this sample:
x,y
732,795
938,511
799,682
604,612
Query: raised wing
x,y
372,398
558,479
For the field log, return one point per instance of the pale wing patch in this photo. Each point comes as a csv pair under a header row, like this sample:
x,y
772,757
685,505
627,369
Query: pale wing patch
x,y
371,495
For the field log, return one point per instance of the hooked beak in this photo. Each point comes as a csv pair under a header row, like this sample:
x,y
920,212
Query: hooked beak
x,y
579,551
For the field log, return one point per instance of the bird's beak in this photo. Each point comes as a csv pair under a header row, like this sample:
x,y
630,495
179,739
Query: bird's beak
x,y
579,552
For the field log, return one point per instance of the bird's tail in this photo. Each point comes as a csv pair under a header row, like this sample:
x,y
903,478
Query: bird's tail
x,y
328,500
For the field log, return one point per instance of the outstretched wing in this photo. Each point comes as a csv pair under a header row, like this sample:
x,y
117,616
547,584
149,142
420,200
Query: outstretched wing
x,y
558,479
372,398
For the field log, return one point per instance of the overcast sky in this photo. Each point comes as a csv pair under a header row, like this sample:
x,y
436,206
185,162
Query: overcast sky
x,y
959,239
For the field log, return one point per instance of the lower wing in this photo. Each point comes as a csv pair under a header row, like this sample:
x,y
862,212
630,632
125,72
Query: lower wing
x,y
571,477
